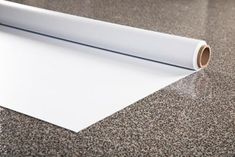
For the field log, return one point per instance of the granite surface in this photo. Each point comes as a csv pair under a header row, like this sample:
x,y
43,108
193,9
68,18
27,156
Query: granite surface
x,y
192,117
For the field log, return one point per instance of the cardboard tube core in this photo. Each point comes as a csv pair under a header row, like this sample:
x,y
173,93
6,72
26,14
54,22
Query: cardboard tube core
x,y
204,56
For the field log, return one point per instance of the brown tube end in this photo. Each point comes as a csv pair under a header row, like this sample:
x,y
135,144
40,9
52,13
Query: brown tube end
x,y
204,56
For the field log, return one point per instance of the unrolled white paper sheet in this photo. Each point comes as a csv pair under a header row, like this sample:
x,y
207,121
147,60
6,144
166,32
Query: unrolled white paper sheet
x,y
73,85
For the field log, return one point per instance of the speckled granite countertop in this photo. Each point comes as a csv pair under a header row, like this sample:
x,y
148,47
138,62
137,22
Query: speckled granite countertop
x,y
192,117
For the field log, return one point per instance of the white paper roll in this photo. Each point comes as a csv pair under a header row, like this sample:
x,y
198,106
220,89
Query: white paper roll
x,y
73,85
155,46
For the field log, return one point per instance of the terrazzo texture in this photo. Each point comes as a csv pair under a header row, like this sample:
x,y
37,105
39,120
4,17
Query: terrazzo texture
x,y
192,117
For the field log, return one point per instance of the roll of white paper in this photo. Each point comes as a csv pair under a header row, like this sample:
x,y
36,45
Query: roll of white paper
x,y
155,46
74,85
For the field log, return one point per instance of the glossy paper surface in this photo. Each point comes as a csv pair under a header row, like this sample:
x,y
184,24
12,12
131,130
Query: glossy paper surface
x,y
54,80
